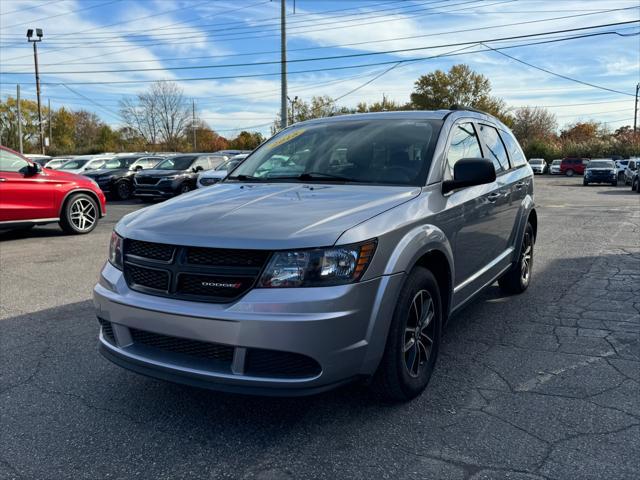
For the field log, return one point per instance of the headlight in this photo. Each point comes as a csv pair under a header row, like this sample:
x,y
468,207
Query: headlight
x,y
318,267
115,251
209,181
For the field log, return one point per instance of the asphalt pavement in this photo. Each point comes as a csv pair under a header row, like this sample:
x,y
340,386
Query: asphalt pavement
x,y
541,385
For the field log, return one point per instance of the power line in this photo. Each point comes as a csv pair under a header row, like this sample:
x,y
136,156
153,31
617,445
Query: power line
x,y
412,37
347,67
557,74
325,58
31,22
40,5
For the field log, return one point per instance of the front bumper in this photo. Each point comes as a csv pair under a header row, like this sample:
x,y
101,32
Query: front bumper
x,y
600,178
342,329
159,190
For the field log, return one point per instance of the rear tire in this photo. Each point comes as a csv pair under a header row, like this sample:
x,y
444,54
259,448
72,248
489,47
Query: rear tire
x,y
413,340
614,184
585,183
635,186
518,277
80,214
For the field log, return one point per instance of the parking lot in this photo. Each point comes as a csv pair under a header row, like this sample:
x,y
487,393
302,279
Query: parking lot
x,y
541,385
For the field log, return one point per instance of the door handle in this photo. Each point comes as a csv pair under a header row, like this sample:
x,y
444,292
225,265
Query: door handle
x,y
492,197
3,179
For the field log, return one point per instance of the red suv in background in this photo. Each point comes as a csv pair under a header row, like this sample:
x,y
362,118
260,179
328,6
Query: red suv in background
x,y
570,166
32,196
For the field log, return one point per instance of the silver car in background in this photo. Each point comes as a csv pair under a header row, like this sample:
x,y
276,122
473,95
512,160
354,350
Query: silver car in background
x,y
554,168
538,165
211,177
335,252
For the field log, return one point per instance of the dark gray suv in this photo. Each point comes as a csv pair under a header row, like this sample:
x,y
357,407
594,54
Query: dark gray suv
x,y
336,251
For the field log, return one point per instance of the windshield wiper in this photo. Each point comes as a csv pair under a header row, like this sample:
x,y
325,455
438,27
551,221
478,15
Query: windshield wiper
x,y
313,176
243,178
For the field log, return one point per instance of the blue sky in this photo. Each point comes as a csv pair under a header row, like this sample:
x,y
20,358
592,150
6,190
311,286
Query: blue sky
x,y
89,43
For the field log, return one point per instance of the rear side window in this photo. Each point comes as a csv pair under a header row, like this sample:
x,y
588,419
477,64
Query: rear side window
x,y
464,144
515,152
497,152
202,162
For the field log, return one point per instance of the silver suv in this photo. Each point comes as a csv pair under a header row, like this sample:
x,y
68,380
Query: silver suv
x,y
336,251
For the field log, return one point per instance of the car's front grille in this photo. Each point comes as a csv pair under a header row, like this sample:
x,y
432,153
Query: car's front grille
x,y
194,348
258,362
147,277
152,251
143,180
226,258
191,273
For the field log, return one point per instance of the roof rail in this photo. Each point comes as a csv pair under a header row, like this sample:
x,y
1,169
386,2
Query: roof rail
x,y
455,106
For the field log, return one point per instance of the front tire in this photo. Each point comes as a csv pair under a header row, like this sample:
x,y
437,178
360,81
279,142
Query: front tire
x,y
569,173
614,184
185,188
635,186
80,214
518,277
123,190
413,340
585,183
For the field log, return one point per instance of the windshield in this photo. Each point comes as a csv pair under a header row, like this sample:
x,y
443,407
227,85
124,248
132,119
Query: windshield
x,y
176,163
601,164
556,162
73,164
379,151
535,161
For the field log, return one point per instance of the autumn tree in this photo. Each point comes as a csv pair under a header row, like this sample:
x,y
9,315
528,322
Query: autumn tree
x,y
9,124
459,86
582,131
246,141
532,124
63,129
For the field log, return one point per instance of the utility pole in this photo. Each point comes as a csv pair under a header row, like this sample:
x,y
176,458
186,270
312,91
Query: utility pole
x,y
19,118
193,123
635,113
50,128
35,59
283,65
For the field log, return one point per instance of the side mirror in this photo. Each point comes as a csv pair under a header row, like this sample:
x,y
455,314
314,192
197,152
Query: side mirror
x,y
469,172
32,169
198,169
138,168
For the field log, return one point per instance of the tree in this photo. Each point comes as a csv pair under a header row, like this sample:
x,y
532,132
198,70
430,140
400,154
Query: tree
x,y
63,128
87,131
246,141
582,131
319,107
385,105
9,124
160,115
460,86
533,123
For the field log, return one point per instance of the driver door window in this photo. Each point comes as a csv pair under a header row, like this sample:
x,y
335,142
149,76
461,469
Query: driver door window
x,y
12,163
464,144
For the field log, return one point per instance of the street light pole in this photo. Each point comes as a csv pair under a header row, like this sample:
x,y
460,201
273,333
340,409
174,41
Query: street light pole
x,y
283,65
35,59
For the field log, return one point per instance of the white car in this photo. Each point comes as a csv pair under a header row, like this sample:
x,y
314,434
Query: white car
x,y
621,165
84,163
538,165
57,162
630,170
554,168
211,177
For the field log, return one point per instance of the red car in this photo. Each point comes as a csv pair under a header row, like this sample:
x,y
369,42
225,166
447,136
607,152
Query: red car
x,y
571,166
32,196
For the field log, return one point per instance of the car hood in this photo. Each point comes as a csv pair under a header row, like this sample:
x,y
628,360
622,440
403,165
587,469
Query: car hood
x,y
262,216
